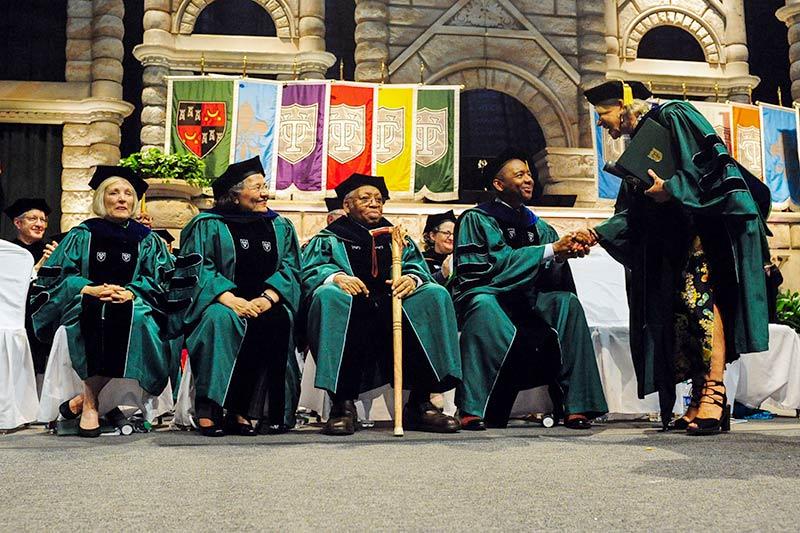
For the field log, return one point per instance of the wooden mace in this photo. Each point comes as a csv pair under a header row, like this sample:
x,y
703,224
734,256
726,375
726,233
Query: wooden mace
x,y
399,234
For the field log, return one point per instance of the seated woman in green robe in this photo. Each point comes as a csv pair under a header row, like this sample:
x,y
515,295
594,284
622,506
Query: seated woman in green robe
x,y
239,326
437,245
106,283
695,247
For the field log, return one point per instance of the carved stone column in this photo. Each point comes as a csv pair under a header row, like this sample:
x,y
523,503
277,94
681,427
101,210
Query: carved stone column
x,y
312,32
372,39
736,52
592,50
157,20
568,171
790,15
79,41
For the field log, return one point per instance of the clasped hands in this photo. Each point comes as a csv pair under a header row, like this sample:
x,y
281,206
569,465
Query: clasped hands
x,y
574,244
246,308
401,287
108,292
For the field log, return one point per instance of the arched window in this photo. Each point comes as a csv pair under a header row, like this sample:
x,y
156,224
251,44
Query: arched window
x,y
490,122
235,17
670,42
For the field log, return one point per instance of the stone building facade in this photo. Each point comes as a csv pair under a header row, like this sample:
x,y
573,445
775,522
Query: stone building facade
x,y
541,52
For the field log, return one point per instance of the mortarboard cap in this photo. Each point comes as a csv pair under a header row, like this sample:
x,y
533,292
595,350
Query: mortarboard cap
x,y
23,205
614,90
496,165
332,204
236,173
103,172
359,180
164,234
433,221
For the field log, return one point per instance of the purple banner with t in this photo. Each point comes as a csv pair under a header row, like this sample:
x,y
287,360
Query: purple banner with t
x,y
301,140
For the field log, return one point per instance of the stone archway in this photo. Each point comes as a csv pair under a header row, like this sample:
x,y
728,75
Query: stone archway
x,y
709,41
542,102
187,12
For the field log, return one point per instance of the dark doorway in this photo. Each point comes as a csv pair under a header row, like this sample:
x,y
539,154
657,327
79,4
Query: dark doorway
x,y
670,42
30,157
33,40
490,122
235,17
340,30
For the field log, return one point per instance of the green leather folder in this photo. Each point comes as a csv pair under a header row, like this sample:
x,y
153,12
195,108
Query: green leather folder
x,y
650,148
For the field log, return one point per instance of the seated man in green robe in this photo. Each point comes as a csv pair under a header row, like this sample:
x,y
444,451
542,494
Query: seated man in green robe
x,y
346,277
521,323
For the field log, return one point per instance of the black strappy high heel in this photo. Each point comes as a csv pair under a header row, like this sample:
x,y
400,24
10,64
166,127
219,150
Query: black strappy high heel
x,y
681,423
712,426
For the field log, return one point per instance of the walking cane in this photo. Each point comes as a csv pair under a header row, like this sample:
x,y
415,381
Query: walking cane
x,y
398,242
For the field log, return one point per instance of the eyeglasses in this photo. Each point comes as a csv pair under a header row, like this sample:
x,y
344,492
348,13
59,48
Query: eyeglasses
x,y
446,233
33,219
368,198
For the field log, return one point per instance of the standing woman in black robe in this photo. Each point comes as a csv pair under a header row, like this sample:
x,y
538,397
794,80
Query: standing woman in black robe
x,y
239,326
438,244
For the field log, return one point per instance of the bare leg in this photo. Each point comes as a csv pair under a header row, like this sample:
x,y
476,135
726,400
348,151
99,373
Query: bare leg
x,y
716,370
90,418
76,404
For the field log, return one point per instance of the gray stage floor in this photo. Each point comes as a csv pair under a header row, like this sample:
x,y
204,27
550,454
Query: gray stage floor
x,y
619,476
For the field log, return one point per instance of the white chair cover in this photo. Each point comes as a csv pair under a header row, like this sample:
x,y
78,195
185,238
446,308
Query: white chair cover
x,y
18,399
61,383
774,374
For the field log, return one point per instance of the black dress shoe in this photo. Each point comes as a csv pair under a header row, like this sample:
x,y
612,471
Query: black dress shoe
x,y
579,422
342,420
66,412
472,423
427,417
265,428
214,430
232,426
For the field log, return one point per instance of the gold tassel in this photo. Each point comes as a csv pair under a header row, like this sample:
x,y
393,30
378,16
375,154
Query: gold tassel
x,y
627,94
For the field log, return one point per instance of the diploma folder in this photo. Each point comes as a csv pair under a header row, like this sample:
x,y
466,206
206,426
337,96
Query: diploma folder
x,y
650,148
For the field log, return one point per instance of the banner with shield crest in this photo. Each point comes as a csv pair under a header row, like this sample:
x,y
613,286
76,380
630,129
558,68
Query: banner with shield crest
x,y
311,135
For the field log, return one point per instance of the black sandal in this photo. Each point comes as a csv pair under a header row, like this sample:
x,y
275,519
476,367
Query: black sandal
x,y
66,412
712,426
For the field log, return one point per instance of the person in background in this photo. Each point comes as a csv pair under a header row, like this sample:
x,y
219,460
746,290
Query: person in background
x,y
438,244
29,216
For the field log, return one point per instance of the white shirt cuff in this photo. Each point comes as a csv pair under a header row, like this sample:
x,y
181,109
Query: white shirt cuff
x,y
329,279
548,252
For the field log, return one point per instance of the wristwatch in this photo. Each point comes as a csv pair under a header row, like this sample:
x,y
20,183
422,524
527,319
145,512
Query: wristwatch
x,y
271,300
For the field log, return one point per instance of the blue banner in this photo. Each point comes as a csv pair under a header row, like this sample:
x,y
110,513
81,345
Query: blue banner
x,y
605,149
257,106
779,149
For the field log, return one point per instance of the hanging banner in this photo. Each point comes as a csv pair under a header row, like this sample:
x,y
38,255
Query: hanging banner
x,y
394,138
350,119
257,104
302,137
720,116
779,154
436,152
199,118
605,149
746,138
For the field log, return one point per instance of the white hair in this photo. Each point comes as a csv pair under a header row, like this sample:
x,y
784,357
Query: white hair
x,y
635,110
98,200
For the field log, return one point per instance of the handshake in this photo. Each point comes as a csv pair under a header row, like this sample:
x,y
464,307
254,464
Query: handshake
x,y
574,244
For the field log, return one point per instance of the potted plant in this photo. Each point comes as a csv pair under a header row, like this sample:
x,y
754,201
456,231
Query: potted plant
x,y
153,164
174,180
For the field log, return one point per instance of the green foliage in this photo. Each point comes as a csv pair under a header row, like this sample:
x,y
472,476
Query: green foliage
x,y
788,307
153,163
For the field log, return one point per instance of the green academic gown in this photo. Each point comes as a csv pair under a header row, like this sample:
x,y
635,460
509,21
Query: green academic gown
x,y
428,311
209,254
711,200
494,279
57,300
